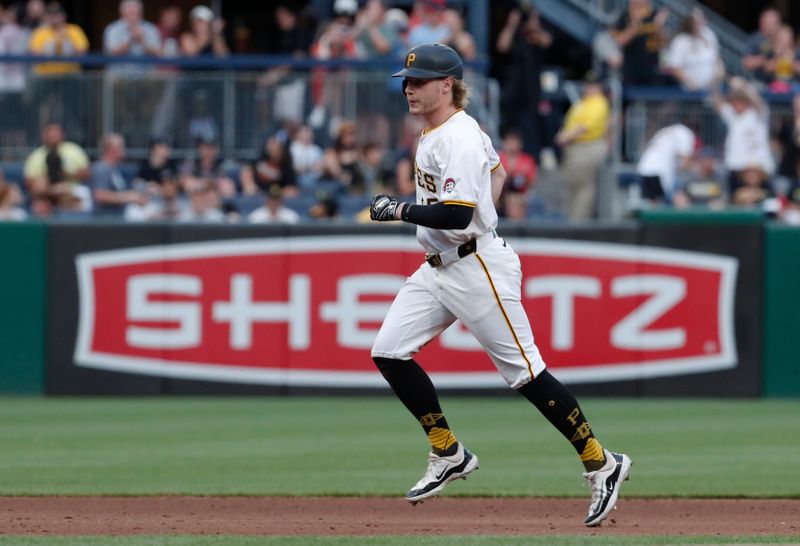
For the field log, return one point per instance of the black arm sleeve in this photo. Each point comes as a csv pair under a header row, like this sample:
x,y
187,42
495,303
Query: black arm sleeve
x,y
438,215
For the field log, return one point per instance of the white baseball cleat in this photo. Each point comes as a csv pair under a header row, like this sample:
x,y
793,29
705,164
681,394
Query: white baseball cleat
x,y
605,484
442,470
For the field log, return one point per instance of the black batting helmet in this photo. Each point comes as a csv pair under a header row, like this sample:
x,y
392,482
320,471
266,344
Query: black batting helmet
x,y
430,61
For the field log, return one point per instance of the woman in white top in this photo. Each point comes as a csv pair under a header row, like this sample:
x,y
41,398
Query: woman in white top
x,y
693,55
747,142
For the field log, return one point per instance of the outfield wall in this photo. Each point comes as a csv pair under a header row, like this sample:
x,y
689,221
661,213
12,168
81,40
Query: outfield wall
x,y
670,305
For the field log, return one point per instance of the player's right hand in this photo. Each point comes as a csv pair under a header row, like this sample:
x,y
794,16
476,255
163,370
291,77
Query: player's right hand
x,y
383,208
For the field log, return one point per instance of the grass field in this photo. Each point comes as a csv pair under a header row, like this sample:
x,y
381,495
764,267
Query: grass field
x,y
370,446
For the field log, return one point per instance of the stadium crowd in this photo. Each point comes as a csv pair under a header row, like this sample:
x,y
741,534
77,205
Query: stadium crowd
x,y
320,165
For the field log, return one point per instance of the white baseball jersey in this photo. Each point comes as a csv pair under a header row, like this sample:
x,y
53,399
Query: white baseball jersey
x,y
481,289
453,165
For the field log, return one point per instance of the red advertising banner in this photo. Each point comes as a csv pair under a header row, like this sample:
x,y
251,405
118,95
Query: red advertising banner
x,y
304,311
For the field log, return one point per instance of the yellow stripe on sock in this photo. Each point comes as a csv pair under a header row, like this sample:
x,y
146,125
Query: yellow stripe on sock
x,y
593,451
441,438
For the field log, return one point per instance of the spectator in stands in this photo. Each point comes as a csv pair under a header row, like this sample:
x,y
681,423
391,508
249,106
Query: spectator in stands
x,y
205,37
782,66
272,168
399,20
523,40
759,46
432,27
169,22
204,203
669,151
131,35
273,211
159,168
306,157
207,165
703,185
789,141
693,56
373,166
459,38
374,36
606,54
10,201
747,141
33,15
513,206
640,34
62,100
520,167
583,140
55,174
111,191
341,162
57,38
292,36
335,41
755,189
13,41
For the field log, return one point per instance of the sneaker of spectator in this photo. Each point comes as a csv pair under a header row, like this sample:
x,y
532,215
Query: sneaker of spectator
x,y
759,46
272,168
207,165
10,202
432,27
111,191
32,15
205,204
273,211
170,18
520,167
639,32
306,157
205,36
55,173
782,66
459,39
57,38
132,36
693,56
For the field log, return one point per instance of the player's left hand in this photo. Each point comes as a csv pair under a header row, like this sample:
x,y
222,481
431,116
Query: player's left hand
x,y
383,208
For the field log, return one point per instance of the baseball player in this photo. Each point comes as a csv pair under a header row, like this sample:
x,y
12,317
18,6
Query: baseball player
x,y
470,274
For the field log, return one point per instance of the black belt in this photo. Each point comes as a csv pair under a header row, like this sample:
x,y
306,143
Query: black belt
x,y
435,260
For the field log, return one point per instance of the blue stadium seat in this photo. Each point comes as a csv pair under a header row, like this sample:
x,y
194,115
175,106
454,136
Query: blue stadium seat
x,y
300,204
14,173
350,205
245,204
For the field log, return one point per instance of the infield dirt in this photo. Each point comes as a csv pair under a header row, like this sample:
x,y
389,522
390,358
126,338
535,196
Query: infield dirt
x,y
87,515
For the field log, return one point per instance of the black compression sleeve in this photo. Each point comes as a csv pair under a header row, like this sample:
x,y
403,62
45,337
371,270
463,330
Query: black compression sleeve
x,y
438,215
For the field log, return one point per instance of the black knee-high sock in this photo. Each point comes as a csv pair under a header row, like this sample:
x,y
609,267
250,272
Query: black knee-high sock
x,y
416,391
561,408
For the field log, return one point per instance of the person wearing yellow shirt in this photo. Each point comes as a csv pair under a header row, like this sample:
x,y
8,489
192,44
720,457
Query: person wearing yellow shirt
x,y
56,37
583,141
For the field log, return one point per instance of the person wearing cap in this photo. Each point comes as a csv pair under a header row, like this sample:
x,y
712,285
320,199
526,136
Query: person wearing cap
x,y
432,27
273,211
205,38
470,274
583,140
57,38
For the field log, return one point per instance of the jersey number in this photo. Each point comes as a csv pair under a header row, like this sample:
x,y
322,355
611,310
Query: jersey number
x,y
425,181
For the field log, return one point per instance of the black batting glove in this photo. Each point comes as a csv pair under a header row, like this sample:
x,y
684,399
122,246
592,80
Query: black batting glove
x,y
383,208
